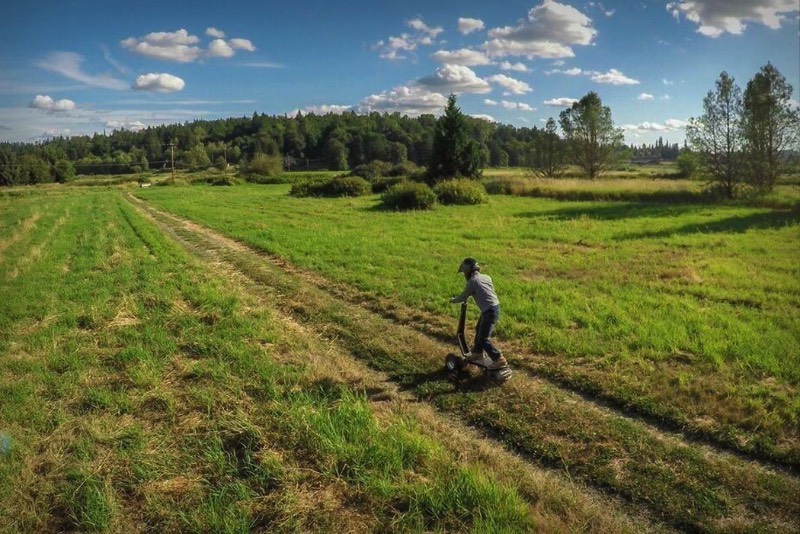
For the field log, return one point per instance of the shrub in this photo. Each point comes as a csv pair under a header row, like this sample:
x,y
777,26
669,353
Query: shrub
x,y
340,186
406,168
263,165
460,191
507,185
379,185
223,180
409,196
372,170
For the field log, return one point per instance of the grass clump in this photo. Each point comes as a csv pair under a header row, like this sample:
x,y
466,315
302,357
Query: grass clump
x,y
408,196
460,192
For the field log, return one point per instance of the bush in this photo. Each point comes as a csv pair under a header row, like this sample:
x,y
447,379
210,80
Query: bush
x,y
373,169
223,180
460,191
263,165
340,186
507,185
406,168
379,185
409,196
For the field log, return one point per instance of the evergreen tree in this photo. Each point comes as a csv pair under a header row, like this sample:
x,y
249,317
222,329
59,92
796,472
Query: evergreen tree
x,y
454,153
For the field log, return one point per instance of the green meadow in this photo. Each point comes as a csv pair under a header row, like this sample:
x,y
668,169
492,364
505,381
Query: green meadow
x,y
687,313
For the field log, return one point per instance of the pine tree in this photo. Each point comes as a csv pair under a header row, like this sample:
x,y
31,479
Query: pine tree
x,y
454,153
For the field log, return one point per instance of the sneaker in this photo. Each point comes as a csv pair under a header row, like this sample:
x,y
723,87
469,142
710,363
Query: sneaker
x,y
478,358
499,363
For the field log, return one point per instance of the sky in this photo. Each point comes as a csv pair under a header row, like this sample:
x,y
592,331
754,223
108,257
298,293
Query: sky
x,y
80,67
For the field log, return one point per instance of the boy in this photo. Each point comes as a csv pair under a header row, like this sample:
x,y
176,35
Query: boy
x,y
479,287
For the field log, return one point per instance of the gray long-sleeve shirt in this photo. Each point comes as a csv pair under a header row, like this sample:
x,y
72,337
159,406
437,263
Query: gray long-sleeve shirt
x,y
481,289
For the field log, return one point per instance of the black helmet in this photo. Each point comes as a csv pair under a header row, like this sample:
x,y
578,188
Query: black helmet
x,y
468,265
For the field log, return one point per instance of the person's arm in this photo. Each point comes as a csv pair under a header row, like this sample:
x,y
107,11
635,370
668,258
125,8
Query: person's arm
x,y
468,290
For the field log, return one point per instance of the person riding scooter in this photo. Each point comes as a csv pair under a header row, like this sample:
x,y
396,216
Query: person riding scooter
x,y
480,288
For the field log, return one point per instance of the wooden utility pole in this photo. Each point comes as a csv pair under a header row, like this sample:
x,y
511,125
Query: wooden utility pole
x,y
172,157
225,169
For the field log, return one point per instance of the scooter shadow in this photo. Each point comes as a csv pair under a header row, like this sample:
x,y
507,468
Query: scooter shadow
x,y
429,385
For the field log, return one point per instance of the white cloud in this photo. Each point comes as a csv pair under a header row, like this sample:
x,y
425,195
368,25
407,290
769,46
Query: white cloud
x,y
177,46
467,25
483,116
511,85
394,47
410,100
517,105
420,26
464,56
213,32
68,64
455,79
574,71
324,109
549,31
517,67
613,77
644,96
489,102
133,126
665,97
715,17
158,83
668,126
262,65
667,82
45,103
242,44
562,102
219,48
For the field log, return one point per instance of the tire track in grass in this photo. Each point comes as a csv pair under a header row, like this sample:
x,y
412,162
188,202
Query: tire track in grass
x,y
687,486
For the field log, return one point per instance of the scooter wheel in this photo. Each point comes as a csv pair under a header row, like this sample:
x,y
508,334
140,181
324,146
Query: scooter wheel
x,y
453,363
501,376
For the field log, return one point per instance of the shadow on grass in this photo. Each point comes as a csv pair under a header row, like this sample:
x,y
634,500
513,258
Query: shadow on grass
x,y
738,224
442,382
614,212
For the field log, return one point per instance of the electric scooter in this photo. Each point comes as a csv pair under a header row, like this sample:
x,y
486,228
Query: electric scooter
x,y
455,364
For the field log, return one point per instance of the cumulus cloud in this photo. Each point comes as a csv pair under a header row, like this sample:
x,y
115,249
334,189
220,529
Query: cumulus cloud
x,y
490,102
483,116
511,85
464,56
219,48
158,83
549,31
521,106
68,64
407,99
715,17
177,46
45,103
182,47
242,44
394,47
644,96
455,79
468,25
613,77
324,109
575,71
517,67
669,125
562,102
133,126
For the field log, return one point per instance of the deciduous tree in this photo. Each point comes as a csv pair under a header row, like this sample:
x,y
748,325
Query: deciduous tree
x,y
589,130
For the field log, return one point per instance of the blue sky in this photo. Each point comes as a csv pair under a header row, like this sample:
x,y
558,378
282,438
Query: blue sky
x,y
69,68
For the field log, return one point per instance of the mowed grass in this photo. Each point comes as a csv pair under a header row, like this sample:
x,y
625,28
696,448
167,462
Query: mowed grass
x,y
141,391
687,313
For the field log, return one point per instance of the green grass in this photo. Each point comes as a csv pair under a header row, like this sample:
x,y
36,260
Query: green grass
x,y
140,390
687,313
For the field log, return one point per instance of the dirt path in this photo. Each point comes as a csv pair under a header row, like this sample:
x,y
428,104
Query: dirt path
x,y
657,474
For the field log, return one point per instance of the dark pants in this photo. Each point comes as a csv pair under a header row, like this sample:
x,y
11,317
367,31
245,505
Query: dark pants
x,y
483,333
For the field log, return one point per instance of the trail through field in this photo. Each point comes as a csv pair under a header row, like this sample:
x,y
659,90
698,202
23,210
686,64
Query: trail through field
x,y
659,474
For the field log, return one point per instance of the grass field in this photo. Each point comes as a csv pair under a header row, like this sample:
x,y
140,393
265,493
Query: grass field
x,y
194,383
687,313
143,391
